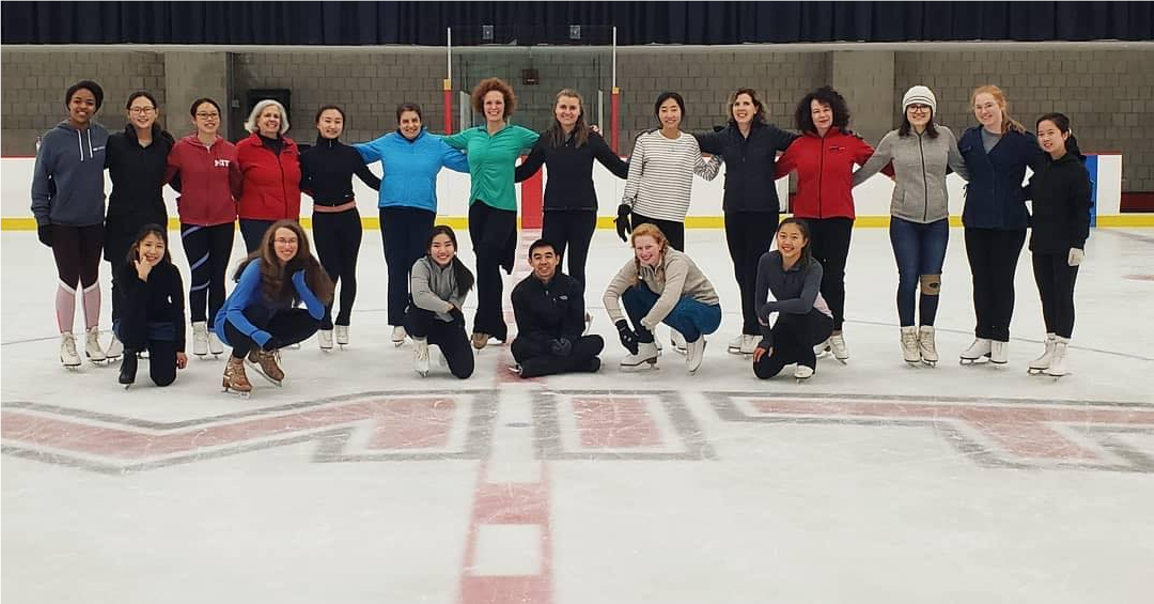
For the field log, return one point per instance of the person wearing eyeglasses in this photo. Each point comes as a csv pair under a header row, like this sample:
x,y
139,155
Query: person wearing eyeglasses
x,y
210,179
921,153
136,160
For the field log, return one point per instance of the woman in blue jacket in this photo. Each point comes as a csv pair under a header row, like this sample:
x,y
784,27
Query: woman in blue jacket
x,y
261,315
410,159
997,153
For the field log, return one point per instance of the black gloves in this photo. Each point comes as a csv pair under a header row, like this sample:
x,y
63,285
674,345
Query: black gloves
x,y
628,338
457,315
296,264
561,347
44,233
622,222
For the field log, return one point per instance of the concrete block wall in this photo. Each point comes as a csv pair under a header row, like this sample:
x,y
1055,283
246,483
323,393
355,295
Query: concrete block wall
x,y
34,83
1108,95
706,78
367,84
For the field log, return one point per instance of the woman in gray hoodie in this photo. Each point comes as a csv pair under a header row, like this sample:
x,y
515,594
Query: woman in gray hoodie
x,y
68,203
439,283
922,153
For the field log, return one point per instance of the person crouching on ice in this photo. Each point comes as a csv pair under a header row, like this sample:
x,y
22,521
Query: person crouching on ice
x,y
549,307
793,276
661,285
261,315
439,283
151,298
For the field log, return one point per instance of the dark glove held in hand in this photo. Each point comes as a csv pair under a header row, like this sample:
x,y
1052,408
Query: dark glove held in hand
x,y
561,347
622,222
628,338
44,233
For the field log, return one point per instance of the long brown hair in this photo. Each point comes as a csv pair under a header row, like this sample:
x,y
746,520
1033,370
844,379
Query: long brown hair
x,y
556,134
1008,123
275,280
647,229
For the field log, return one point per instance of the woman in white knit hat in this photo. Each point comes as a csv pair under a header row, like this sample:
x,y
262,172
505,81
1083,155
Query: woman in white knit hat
x,y
920,152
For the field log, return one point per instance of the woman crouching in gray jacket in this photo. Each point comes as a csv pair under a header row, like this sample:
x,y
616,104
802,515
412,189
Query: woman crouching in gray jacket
x,y
439,283
921,152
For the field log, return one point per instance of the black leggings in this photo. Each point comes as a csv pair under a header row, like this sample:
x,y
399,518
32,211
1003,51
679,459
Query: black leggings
x,y
77,253
208,249
794,337
404,235
749,235
252,231
449,337
491,231
536,362
571,230
993,256
674,231
288,326
133,332
829,243
1055,279
337,237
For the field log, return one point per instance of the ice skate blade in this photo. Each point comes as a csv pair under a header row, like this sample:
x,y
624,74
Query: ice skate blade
x,y
930,364
1036,371
647,365
397,344
240,393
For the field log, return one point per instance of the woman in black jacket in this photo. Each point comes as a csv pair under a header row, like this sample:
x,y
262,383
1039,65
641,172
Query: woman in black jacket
x,y
568,149
1061,224
136,161
327,171
749,145
151,298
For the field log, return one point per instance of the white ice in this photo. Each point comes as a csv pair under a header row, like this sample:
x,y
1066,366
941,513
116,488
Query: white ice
x,y
893,484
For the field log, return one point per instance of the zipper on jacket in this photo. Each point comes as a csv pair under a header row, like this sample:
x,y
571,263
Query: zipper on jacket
x,y
925,184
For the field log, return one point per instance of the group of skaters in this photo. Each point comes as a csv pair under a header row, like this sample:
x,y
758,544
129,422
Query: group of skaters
x,y
792,296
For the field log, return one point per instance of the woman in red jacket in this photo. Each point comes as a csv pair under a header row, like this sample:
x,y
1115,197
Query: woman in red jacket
x,y
271,166
824,157
209,178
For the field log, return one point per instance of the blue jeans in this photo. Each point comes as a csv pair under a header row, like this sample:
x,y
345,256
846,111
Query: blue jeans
x,y
689,317
920,249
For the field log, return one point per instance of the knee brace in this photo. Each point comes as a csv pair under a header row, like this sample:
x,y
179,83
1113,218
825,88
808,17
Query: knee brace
x,y
931,285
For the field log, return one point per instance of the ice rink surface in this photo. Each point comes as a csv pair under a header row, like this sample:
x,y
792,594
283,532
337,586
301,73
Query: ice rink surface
x,y
359,481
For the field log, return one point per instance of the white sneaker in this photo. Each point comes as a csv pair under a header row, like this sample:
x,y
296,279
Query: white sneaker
x,y
646,354
926,345
694,353
421,356
215,346
92,348
910,352
1057,366
749,343
342,335
999,352
200,338
677,340
1042,363
325,339
68,355
735,344
399,335
837,346
115,348
980,348
802,372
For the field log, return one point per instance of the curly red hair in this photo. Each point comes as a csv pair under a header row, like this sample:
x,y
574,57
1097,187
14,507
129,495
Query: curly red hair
x,y
488,85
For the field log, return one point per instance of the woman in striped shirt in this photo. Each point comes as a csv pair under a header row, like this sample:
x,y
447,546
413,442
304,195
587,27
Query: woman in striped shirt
x,y
661,173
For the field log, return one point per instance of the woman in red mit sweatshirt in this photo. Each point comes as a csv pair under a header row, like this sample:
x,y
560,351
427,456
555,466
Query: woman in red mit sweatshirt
x,y
270,162
824,156
209,180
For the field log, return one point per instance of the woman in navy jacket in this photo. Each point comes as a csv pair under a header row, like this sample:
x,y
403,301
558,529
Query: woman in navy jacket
x,y
750,146
997,153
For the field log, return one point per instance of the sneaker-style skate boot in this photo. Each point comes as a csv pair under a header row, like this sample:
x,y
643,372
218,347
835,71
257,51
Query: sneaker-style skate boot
x,y
92,348
235,378
1039,365
978,350
909,340
68,355
1057,366
926,345
200,338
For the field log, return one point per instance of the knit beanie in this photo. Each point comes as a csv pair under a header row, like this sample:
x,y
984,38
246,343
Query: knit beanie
x,y
920,95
